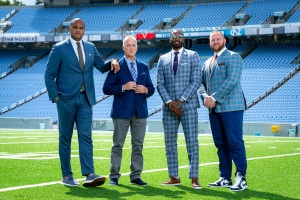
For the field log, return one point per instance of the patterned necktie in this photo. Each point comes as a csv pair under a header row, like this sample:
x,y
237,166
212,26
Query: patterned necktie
x,y
213,63
80,56
175,63
133,71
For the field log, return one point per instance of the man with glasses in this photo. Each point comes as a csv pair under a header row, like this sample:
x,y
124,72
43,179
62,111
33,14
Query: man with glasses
x,y
178,79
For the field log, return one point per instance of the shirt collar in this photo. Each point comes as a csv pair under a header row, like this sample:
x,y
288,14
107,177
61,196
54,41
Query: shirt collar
x,y
74,42
180,51
130,61
220,52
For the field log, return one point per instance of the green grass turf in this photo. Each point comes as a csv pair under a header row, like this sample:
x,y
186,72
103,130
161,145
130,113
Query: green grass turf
x,y
29,168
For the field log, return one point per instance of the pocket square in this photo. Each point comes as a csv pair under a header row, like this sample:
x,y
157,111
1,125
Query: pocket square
x,y
90,54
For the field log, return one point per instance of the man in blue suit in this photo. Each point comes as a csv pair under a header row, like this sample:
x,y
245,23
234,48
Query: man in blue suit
x,y
70,83
131,87
222,94
178,79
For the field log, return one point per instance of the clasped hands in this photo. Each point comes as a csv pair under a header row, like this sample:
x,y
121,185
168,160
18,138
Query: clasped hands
x,y
131,85
209,102
175,107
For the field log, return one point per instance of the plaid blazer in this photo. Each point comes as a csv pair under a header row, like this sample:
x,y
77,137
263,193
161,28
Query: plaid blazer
x,y
185,83
224,82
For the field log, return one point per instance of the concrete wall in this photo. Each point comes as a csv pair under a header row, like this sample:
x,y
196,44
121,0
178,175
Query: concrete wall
x,y
262,129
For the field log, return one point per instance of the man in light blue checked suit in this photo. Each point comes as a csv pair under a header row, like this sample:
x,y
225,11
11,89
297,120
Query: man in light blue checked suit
x,y
178,79
222,94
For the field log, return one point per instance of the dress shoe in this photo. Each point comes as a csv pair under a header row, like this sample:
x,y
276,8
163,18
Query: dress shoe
x,y
196,184
172,181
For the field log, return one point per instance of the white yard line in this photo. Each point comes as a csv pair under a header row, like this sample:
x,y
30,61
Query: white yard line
x,y
146,171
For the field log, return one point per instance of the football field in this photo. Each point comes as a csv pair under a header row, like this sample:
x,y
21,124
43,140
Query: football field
x,y
30,169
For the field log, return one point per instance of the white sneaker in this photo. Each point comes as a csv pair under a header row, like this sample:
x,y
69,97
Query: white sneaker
x,y
222,182
240,183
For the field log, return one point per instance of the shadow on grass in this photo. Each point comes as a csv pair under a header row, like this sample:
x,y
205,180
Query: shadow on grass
x,y
172,192
225,193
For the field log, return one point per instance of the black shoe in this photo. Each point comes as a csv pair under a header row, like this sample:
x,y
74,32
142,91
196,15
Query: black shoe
x,y
138,181
113,182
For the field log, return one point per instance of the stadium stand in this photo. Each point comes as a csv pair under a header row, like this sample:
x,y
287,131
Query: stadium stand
x,y
268,58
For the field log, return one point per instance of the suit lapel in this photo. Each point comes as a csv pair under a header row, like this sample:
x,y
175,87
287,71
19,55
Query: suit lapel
x,y
170,67
73,53
124,66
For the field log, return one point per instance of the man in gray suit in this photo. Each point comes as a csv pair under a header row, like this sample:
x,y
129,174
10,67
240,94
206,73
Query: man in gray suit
x,y
69,79
222,94
178,79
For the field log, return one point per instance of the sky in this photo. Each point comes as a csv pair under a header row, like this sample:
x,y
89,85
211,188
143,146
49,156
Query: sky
x,y
27,2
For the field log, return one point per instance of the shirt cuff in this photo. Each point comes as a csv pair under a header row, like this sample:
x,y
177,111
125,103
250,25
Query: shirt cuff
x,y
213,98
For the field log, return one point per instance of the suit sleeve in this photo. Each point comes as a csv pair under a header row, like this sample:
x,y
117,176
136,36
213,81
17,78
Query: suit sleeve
x,y
160,82
203,87
51,72
149,84
111,86
234,72
99,63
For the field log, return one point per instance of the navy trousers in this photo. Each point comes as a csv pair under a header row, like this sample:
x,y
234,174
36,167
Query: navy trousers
x,y
227,131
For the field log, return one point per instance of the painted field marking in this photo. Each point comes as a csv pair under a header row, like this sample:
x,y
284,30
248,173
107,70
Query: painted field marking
x,y
146,171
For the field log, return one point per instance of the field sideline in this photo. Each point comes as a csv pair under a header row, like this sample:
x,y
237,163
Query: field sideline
x,y
30,169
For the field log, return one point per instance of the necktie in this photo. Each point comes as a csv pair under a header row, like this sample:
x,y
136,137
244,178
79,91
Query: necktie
x,y
133,71
81,62
80,56
175,63
213,62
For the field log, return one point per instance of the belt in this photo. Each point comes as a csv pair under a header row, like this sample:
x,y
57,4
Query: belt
x,y
82,91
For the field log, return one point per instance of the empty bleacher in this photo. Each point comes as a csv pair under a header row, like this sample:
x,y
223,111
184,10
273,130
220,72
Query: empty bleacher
x,y
265,66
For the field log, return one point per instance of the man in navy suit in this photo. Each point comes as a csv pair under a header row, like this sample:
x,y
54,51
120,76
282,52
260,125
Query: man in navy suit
x,y
70,83
222,94
131,87
178,79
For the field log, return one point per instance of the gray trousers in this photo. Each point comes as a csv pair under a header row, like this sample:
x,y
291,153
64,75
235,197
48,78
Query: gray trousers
x,y
138,131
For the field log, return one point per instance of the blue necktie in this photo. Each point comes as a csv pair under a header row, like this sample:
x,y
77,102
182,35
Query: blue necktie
x,y
175,63
133,71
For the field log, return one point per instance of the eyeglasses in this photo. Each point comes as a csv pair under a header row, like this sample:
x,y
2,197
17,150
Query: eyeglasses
x,y
173,36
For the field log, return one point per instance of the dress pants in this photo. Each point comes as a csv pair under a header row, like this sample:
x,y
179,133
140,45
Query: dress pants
x,y
189,121
227,131
77,111
138,131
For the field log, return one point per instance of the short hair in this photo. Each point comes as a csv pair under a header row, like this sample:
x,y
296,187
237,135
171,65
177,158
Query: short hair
x,y
127,37
216,31
75,20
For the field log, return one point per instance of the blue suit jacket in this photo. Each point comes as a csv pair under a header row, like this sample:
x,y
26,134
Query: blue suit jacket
x,y
127,103
63,75
224,83
186,82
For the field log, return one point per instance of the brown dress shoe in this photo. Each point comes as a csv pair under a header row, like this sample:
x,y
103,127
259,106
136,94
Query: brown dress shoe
x,y
172,181
196,184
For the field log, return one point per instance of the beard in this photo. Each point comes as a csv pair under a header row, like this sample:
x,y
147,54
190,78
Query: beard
x,y
176,45
217,48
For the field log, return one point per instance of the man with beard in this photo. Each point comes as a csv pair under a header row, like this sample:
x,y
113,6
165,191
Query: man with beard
x,y
178,79
221,92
